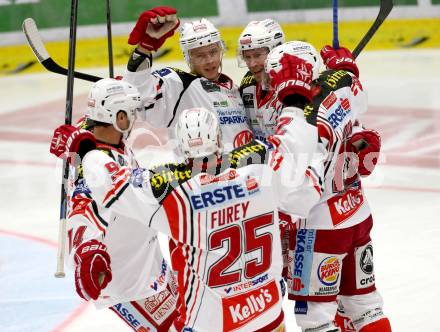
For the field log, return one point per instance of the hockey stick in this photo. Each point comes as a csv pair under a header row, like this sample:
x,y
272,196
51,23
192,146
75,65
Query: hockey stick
x,y
335,25
36,44
68,120
109,39
385,8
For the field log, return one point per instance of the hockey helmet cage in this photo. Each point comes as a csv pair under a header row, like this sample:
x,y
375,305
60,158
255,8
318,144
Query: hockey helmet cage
x,y
300,49
108,96
198,133
257,34
196,34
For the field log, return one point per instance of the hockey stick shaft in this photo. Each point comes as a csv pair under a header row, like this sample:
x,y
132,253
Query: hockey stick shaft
x,y
385,8
109,39
335,25
68,120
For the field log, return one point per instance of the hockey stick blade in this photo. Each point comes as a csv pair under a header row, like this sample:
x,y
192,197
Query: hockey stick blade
x,y
385,8
36,44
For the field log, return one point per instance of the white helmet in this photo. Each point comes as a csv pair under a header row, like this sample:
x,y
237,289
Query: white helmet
x,y
257,34
197,34
300,49
109,96
198,133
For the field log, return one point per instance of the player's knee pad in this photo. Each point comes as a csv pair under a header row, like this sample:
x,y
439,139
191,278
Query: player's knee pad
x,y
315,316
381,325
364,309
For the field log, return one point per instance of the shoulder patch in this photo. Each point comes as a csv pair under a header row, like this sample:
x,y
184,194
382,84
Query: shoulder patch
x,y
247,80
165,178
252,153
163,72
334,79
209,86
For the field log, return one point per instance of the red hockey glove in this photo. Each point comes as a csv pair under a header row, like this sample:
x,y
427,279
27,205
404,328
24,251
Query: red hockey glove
x,y
153,27
367,146
93,272
340,58
294,77
68,139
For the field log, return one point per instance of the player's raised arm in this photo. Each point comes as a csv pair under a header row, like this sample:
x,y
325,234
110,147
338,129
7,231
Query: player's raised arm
x,y
296,136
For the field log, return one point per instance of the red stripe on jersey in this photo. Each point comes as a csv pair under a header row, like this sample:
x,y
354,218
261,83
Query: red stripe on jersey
x,y
121,178
172,212
197,269
91,216
314,181
325,131
178,264
184,217
78,204
186,257
276,160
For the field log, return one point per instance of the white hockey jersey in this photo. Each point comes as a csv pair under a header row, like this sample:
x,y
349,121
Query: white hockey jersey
x,y
228,255
138,267
168,91
336,110
262,107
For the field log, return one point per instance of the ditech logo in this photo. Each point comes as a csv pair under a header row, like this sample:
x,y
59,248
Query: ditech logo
x,y
328,270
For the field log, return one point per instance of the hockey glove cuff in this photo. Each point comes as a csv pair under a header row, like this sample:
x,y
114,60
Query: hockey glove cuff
x,y
153,27
366,144
340,58
69,141
93,272
294,77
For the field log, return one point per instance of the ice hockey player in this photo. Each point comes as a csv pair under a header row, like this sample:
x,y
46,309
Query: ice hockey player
x,y
168,91
331,250
118,263
221,209
261,104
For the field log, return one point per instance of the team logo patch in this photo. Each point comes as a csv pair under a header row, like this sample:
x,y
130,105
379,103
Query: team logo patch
x,y
163,72
209,86
242,138
366,262
138,177
328,270
364,267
